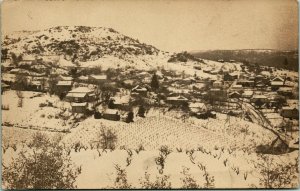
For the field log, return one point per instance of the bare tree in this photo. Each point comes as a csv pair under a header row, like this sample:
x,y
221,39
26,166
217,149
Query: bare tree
x,y
108,139
121,181
188,181
276,175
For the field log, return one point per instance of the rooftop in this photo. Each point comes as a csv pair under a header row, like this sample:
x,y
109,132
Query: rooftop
x,y
79,104
197,104
111,111
260,97
99,77
81,90
278,79
64,83
276,83
76,95
177,98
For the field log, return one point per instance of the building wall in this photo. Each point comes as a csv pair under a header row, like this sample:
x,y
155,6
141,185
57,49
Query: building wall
x,y
113,117
78,109
290,114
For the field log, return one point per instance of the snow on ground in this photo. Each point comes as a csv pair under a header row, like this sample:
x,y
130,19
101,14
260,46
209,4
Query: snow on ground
x,y
151,132
31,114
17,136
232,175
103,176
214,141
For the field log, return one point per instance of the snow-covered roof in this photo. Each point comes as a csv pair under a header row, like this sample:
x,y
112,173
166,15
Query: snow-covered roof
x,y
83,78
177,98
84,104
289,108
99,77
233,74
28,57
128,82
64,83
248,92
217,82
277,83
197,105
36,83
65,63
111,111
259,97
139,88
265,73
3,85
293,102
66,78
285,89
121,100
237,86
8,77
278,78
76,95
81,90
215,89
234,93
15,70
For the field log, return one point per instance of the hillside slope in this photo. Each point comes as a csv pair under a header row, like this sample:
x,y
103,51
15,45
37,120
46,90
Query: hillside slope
x,y
275,58
81,43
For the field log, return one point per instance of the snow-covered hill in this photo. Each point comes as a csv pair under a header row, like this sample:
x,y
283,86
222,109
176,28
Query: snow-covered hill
x,y
80,43
97,46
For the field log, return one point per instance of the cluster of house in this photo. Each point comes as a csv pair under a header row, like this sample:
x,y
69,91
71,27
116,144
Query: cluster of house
x,y
230,85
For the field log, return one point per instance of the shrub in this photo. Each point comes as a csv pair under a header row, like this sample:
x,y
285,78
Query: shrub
x,y
139,149
47,167
161,182
161,159
188,181
273,175
121,179
108,139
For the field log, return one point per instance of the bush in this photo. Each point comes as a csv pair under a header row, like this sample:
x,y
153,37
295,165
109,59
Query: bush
x,y
46,167
273,175
188,181
121,179
108,139
97,115
161,182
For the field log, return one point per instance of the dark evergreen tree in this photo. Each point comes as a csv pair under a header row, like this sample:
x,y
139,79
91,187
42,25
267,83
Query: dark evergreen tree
x,y
129,117
141,111
111,104
154,82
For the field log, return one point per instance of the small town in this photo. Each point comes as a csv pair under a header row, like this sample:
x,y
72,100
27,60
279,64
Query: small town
x,y
261,94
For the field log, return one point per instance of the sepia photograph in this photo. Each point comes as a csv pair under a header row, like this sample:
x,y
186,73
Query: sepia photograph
x,y
149,94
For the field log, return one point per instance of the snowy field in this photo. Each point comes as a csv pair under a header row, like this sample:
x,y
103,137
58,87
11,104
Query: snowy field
x,y
225,145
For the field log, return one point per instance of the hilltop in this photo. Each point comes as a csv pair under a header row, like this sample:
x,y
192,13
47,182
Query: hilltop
x,y
87,43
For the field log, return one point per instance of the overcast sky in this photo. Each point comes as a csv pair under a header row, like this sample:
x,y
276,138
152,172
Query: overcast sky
x,y
170,25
